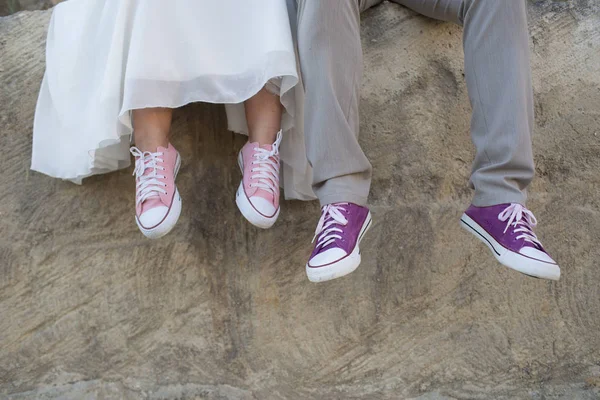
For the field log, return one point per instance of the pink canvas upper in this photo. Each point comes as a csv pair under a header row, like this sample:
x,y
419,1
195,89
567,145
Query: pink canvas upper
x,y
260,166
155,178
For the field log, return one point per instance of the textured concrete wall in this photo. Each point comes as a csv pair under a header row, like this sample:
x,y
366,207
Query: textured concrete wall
x,y
90,309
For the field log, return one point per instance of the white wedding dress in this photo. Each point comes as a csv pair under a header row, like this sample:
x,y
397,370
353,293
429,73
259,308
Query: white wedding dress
x,y
107,57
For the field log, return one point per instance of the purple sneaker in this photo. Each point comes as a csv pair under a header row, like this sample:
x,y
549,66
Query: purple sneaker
x,y
339,232
507,229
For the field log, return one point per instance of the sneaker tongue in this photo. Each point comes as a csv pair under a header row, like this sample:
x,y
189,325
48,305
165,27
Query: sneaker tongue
x,y
148,171
268,147
335,243
152,201
262,192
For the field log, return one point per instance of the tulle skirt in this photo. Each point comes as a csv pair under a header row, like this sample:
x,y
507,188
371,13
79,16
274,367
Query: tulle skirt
x,y
105,58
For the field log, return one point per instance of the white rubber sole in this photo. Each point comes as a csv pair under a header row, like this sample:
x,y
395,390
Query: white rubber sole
x,y
247,209
342,267
510,259
172,216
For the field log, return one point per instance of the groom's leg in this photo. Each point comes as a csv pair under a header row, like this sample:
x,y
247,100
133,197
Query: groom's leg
x,y
331,61
498,74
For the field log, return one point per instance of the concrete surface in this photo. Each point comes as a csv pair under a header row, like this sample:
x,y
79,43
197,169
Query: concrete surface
x,y
8,7
91,310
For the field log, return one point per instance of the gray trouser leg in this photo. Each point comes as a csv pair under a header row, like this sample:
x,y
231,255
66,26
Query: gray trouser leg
x,y
498,74
331,61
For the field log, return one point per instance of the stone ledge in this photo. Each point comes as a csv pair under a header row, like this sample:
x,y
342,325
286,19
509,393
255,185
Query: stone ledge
x,y
84,298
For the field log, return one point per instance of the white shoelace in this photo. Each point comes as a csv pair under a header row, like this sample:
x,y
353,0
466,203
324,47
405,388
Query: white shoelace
x,y
148,185
266,169
331,218
522,220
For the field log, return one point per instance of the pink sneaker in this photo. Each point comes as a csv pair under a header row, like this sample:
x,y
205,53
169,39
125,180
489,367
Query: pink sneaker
x,y
157,200
258,194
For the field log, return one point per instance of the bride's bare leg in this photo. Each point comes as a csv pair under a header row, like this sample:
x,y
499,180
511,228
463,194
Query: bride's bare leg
x,y
263,113
152,127
158,204
258,194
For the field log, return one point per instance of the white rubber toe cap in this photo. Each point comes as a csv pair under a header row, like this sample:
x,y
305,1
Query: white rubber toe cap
x,y
153,217
537,254
263,206
327,257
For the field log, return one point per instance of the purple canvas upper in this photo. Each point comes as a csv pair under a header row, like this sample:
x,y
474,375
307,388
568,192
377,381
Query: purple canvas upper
x,y
487,218
356,216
